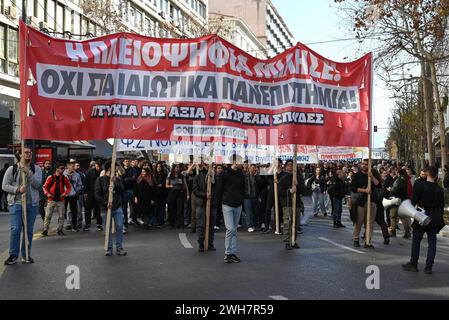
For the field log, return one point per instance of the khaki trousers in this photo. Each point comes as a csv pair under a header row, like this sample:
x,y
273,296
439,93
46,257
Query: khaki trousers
x,y
60,208
361,220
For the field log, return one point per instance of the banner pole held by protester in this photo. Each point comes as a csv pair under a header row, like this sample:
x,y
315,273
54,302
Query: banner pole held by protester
x,y
110,196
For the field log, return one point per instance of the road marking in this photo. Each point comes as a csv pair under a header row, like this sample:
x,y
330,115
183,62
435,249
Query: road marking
x,y
5,255
185,242
341,246
278,298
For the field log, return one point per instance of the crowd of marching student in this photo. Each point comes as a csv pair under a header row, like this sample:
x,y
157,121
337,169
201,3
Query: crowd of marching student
x,y
154,195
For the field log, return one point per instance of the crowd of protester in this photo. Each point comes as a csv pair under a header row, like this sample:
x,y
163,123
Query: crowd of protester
x,y
153,195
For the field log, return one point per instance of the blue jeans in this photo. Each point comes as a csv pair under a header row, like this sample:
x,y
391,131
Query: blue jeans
x,y
338,209
118,218
318,202
16,229
127,198
251,211
432,245
231,217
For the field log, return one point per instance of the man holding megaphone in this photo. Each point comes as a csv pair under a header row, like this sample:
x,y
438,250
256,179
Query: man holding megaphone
x,y
430,196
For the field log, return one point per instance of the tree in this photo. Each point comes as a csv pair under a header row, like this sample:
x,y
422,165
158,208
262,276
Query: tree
x,y
408,32
105,13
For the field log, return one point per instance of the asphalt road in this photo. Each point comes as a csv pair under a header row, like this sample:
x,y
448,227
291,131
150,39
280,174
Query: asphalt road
x,y
159,266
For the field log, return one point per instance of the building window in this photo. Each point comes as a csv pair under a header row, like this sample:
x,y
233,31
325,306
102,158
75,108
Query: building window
x,y
202,9
59,18
2,49
13,53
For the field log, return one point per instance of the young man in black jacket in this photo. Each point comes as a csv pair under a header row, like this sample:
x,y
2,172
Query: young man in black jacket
x,y
102,196
231,191
91,204
201,197
336,190
286,190
430,196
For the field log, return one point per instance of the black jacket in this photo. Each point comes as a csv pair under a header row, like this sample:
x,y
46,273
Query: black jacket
x,y
232,188
160,179
129,178
200,189
336,188
145,193
285,184
89,183
102,192
430,197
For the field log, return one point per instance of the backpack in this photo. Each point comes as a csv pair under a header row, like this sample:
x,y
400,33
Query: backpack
x,y
52,181
15,168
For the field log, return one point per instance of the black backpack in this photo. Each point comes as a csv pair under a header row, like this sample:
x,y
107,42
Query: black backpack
x,y
15,168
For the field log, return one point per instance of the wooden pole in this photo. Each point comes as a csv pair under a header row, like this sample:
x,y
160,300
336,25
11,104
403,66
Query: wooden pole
x,y
276,202
295,171
24,202
208,201
22,159
368,210
110,196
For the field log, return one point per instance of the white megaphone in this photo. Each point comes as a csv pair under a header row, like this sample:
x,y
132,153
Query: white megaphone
x,y
407,210
389,202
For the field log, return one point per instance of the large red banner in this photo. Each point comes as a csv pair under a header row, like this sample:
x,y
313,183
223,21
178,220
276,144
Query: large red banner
x,y
130,86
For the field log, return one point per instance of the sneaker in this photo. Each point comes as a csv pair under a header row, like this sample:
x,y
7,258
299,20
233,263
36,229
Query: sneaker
x,y
325,214
11,260
60,233
428,270
410,267
29,260
266,230
262,226
296,246
121,252
211,247
250,229
288,246
216,228
108,253
235,258
75,230
201,248
368,246
124,230
356,244
387,241
44,233
86,227
99,227
140,221
315,215
227,259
